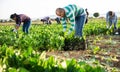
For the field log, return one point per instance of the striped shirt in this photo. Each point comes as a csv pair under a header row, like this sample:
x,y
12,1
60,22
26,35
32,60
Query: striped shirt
x,y
71,11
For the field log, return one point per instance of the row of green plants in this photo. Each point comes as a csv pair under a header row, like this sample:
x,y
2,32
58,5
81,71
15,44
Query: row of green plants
x,y
46,37
23,52
29,60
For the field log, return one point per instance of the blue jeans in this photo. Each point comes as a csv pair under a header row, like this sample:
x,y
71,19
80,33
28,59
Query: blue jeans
x,y
113,21
80,21
26,26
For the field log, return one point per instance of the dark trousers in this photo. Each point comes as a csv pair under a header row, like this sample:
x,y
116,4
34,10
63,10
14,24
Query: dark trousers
x,y
26,26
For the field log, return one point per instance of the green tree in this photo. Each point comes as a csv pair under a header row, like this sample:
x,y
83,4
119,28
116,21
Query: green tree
x,y
96,14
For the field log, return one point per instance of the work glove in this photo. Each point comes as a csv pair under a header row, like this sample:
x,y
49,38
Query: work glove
x,y
107,26
14,30
69,32
110,27
64,30
66,34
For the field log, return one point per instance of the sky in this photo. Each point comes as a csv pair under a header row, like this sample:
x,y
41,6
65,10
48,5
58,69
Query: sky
x,y
42,8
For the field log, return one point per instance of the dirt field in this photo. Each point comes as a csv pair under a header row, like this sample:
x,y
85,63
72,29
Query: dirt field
x,y
108,52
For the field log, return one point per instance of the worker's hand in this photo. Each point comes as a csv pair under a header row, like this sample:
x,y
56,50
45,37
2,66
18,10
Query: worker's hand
x,y
66,34
64,30
107,26
17,26
110,27
14,30
69,33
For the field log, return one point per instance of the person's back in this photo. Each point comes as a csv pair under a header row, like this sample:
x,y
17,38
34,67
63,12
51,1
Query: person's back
x,y
46,18
48,21
75,9
24,17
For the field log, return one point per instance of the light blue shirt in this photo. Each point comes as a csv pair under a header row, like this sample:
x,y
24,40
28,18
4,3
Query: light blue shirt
x,y
113,19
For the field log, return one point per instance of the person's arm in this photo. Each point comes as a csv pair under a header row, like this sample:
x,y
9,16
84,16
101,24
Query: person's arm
x,y
17,26
87,13
18,22
72,21
64,24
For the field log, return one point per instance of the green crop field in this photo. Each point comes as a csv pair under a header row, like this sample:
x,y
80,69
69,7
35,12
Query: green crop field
x,y
45,49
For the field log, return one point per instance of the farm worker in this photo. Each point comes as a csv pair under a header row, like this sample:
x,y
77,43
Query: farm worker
x,y
111,18
76,16
46,20
19,19
87,16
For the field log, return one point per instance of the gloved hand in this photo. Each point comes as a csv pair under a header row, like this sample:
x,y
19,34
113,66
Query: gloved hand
x,y
107,26
110,27
66,34
64,30
14,30
69,32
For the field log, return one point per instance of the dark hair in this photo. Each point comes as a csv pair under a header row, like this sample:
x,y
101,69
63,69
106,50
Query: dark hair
x,y
13,15
110,13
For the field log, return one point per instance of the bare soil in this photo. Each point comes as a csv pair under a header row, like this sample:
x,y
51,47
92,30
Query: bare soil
x,y
108,55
